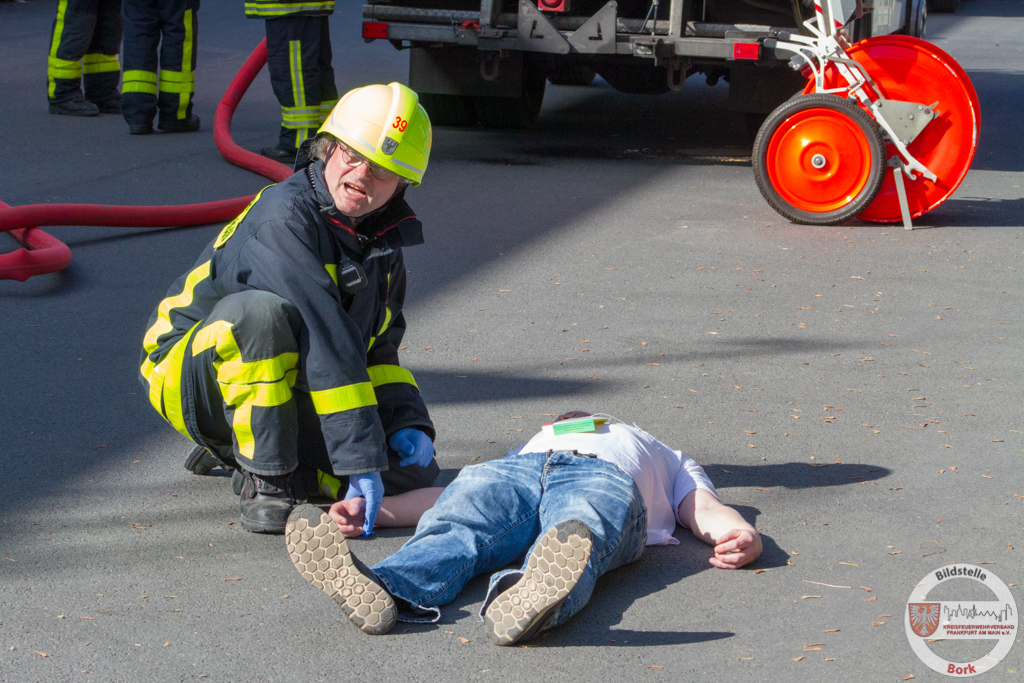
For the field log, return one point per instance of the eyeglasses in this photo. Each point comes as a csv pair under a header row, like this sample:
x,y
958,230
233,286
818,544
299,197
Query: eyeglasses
x,y
354,159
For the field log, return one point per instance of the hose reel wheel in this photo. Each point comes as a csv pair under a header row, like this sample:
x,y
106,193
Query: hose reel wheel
x,y
819,159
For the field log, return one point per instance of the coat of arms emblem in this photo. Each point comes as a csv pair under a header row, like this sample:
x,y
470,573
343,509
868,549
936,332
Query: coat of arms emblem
x,y
924,617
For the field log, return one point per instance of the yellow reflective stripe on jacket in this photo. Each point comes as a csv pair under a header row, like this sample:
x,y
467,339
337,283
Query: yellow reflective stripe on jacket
x,y
340,399
139,81
163,322
186,65
390,374
96,63
332,270
165,384
54,68
172,387
230,228
387,322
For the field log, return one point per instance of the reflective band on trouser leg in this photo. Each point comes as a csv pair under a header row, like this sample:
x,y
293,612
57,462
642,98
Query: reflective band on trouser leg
x,y
244,384
95,63
60,68
186,65
340,399
390,374
139,81
244,396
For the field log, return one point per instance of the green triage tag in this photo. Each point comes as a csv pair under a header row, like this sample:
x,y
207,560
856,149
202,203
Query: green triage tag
x,y
583,424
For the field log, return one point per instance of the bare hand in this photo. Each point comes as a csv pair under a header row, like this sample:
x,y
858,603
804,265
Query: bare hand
x,y
349,515
736,548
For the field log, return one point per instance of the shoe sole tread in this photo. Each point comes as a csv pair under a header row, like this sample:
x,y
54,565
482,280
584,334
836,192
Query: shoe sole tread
x,y
555,566
321,555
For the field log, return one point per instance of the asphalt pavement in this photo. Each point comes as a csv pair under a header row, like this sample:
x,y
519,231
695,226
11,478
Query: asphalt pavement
x,y
854,391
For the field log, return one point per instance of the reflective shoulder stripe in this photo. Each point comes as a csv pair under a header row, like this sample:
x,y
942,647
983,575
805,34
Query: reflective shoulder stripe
x,y
340,399
332,270
230,228
390,374
163,322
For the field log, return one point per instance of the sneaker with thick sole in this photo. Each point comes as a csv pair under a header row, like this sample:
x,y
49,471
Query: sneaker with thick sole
x,y
320,553
189,125
555,565
266,502
79,106
286,155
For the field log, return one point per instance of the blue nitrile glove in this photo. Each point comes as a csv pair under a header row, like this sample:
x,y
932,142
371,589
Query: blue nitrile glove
x,y
413,447
370,487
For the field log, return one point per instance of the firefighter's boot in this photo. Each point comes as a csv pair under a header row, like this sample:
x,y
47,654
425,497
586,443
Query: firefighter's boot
x,y
266,502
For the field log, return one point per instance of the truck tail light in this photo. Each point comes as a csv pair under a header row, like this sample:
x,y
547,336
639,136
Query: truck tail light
x,y
744,50
553,5
375,29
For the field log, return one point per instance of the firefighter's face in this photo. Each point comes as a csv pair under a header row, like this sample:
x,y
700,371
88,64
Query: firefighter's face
x,y
356,191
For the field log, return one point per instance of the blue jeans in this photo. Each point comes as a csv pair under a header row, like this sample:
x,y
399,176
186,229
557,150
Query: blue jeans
x,y
494,513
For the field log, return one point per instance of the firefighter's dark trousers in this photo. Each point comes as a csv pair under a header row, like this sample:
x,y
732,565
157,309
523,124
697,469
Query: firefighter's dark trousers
x,y
167,84
299,61
84,42
235,373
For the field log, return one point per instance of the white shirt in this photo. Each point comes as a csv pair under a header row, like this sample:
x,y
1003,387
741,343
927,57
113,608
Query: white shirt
x,y
664,476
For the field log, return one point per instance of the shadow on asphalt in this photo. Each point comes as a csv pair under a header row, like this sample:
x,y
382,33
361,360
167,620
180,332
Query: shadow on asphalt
x,y
792,475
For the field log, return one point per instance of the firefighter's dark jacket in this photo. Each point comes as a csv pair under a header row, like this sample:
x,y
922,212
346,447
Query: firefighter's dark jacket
x,y
290,241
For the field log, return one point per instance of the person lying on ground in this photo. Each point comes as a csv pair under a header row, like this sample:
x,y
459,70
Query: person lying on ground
x,y
575,505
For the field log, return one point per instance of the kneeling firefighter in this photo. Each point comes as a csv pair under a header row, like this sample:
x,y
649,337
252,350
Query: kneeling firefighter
x,y
277,353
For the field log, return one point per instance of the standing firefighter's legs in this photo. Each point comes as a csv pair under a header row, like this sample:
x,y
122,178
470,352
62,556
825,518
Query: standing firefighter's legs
x,y
166,84
85,39
178,65
328,90
141,42
294,46
100,69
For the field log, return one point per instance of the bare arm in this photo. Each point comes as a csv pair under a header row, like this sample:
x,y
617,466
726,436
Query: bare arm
x,y
396,511
736,542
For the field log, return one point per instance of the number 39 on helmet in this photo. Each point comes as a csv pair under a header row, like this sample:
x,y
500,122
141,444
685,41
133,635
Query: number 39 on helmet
x,y
387,125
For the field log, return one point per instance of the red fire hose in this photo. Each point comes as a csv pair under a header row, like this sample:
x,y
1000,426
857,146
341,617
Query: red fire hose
x,y
44,253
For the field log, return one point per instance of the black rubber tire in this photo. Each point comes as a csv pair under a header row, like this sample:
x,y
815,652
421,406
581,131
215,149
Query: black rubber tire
x,y
572,74
514,112
449,110
867,126
947,6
